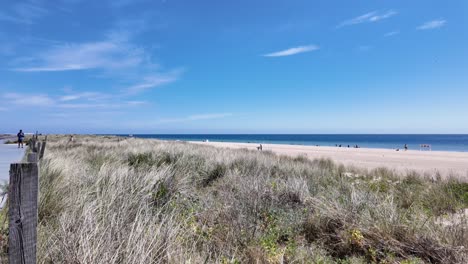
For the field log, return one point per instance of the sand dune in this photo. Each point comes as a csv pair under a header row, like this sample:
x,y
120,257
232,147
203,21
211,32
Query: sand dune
x,y
430,162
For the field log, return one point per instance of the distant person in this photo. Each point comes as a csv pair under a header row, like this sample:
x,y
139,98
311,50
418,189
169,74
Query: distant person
x,y
71,139
348,146
406,147
20,138
260,147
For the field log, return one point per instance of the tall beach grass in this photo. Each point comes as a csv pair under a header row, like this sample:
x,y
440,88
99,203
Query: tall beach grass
x,y
115,200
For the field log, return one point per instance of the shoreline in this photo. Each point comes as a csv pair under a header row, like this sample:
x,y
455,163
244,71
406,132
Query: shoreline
x,y
250,144
436,142
446,163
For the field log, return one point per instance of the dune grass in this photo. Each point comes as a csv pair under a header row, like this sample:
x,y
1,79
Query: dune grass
x,y
14,140
114,200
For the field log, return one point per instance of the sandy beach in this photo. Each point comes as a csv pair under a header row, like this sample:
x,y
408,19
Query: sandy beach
x,y
425,162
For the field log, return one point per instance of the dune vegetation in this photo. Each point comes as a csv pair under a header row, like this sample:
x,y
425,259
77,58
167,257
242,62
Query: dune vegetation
x,y
116,200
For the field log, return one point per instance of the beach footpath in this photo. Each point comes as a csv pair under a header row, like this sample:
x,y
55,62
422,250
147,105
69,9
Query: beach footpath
x,y
9,153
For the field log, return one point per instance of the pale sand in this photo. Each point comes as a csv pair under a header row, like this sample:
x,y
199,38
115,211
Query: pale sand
x,y
429,162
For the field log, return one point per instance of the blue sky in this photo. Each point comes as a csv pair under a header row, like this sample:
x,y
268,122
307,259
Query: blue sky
x,y
246,66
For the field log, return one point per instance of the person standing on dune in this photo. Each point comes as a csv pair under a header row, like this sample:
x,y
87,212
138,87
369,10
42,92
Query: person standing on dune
x,y
20,138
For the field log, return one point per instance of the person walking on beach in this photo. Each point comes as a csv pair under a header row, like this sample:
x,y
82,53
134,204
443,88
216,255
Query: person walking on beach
x,y
20,138
406,147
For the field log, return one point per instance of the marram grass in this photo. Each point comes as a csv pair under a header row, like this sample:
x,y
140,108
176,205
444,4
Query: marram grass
x,y
115,200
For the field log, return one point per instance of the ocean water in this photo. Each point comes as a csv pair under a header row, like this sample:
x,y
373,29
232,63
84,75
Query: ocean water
x,y
437,142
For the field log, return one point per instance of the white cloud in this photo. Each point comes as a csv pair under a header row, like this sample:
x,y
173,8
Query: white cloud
x,y
85,100
103,105
23,13
136,103
153,81
84,95
10,18
196,117
391,33
93,55
30,11
293,51
124,3
209,116
370,17
113,57
28,99
432,24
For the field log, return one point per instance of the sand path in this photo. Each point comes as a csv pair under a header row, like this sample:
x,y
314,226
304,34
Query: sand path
x,y
9,153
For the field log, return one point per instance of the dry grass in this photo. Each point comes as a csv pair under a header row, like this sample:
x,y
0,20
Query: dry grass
x,y
113,200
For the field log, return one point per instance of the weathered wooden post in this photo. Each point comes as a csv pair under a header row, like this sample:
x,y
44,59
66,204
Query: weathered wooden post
x,y
32,143
41,153
38,147
23,206
32,157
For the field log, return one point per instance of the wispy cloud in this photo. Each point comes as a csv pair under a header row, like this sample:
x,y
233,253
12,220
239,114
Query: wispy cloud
x,y
370,17
28,99
391,33
85,100
292,51
93,55
124,3
432,24
30,11
115,50
14,19
153,81
196,117
78,96
23,13
209,116
104,105
114,56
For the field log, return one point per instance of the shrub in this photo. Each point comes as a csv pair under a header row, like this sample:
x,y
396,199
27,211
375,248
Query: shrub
x,y
216,173
140,159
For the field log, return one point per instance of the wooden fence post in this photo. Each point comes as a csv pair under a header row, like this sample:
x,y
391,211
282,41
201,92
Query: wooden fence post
x,y
23,206
32,143
32,157
41,153
38,147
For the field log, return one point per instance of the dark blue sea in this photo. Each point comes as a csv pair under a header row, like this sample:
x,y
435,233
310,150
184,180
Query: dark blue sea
x,y
437,142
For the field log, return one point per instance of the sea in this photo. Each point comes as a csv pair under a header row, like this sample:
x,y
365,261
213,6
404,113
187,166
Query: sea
x,y
444,142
